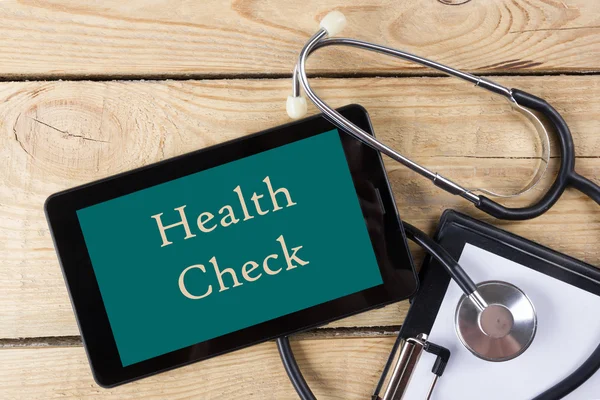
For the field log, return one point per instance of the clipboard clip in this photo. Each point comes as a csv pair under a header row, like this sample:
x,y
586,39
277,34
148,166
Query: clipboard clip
x,y
395,379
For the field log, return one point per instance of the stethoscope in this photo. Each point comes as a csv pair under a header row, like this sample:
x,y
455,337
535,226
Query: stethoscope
x,y
495,320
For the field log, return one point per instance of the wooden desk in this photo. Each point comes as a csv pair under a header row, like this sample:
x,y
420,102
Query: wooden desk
x,y
93,89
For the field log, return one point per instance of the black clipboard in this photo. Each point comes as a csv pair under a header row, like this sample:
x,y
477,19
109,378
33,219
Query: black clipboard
x,y
454,231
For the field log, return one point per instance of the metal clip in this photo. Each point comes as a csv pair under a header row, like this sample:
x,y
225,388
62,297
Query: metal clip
x,y
395,379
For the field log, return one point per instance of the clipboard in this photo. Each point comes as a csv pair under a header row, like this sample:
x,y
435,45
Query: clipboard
x,y
548,277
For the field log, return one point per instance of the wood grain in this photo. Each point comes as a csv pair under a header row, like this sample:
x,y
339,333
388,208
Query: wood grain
x,y
55,135
335,369
166,38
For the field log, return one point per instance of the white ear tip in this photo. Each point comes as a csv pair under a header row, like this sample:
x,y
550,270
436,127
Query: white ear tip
x,y
333,23
296,107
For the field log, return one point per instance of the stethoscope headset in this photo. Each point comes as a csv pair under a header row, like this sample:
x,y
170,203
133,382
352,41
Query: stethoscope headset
x,y
476,306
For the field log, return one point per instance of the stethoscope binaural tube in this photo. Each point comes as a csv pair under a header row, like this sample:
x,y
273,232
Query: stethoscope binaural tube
x,y
527,104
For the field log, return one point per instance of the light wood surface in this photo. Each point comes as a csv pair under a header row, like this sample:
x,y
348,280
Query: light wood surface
x,y
82,125
334,368
164,38
60,134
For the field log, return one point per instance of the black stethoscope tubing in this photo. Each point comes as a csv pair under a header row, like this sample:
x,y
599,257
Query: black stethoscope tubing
x,y
567,176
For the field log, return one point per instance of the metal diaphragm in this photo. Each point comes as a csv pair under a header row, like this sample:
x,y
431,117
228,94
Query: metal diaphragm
x,y
504,329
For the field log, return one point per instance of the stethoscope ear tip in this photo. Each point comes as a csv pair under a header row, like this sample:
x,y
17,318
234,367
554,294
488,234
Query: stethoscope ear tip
x,y
334,22
296,107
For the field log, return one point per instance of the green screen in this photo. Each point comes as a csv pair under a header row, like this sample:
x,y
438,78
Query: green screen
x,y
230,247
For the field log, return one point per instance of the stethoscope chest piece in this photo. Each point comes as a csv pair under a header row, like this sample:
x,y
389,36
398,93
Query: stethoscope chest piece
x,y
504,329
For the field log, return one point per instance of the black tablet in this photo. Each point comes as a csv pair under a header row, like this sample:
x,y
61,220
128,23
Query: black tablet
x,y
229,246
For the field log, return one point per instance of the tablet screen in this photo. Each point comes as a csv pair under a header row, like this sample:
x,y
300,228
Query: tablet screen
x,y
229,247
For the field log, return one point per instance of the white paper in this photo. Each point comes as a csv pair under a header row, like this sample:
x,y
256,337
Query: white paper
x,y
568,331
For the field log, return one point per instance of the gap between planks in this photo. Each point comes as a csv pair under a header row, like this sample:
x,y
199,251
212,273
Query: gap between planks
x,y
274,76
321,333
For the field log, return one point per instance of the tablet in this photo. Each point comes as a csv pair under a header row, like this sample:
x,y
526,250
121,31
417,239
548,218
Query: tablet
x,y
229,246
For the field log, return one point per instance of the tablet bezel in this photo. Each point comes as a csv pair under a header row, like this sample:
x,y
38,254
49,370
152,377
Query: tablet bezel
x,y
379,210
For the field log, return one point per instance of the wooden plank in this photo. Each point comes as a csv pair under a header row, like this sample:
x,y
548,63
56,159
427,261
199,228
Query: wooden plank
x,y
75,38
334,369
57,135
